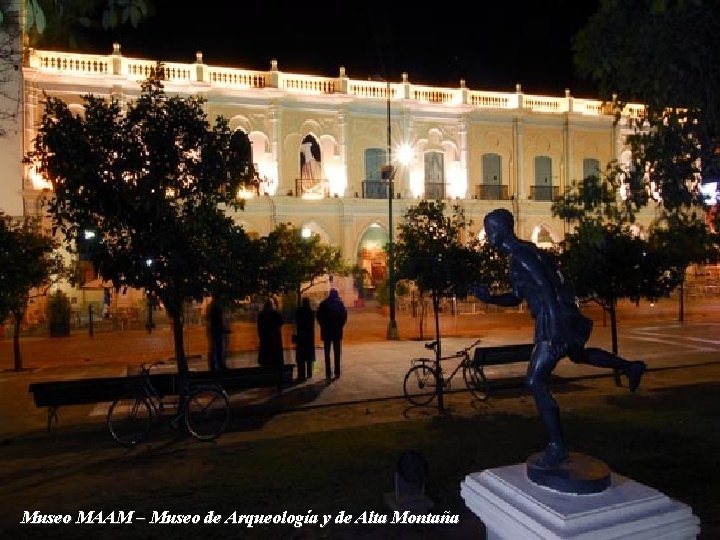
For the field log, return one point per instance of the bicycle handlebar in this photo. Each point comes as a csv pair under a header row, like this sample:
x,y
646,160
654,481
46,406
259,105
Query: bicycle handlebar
x,y
466,349
432,345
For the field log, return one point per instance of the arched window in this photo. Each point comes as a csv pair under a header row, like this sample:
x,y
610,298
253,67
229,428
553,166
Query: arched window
x,y
434,175
543,188
491,188
309,158
374,186
241,152
591,167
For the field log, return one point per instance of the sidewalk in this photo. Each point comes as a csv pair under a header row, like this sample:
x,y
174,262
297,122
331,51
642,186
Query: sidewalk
x,y
373,368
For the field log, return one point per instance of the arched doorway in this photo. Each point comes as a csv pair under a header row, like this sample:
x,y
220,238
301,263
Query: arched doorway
x,y
372,260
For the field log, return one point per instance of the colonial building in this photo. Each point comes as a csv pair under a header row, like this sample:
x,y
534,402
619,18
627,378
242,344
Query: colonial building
x,y
321,145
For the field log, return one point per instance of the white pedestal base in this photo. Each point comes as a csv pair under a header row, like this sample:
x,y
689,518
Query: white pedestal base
x,y
513,508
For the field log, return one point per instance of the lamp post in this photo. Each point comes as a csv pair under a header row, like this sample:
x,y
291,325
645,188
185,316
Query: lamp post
x,y
392,331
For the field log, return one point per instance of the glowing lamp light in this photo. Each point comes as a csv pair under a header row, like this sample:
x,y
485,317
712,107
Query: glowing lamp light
x,y
245,193
404,154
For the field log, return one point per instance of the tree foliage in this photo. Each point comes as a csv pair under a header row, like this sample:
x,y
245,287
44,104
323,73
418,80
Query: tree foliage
x,y
292,263
662,53
29,260
63,22
430,251
492,267
57,24
602,256
659,52
153,180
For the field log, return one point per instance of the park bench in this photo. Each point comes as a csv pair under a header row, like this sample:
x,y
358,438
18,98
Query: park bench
x,y
501,354
55,394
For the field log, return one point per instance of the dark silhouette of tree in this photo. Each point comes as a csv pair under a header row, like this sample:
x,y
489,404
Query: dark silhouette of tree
x,y
292,263
602,256
642,51
430,251
153,179
58,24
29,260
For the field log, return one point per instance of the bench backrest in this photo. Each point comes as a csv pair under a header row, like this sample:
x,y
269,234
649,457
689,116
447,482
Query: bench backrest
x,y
503,354
98,390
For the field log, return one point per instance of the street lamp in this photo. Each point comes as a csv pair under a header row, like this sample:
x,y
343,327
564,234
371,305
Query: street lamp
x,y
389,175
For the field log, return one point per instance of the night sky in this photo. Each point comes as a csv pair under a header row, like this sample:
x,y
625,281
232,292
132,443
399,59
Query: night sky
x,y
525,41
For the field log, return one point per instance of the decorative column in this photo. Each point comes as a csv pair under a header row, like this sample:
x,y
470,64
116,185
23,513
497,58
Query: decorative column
x,y
201,69
117,60
519,190
273,116
463,136
566,174
342,150
343,82
274,75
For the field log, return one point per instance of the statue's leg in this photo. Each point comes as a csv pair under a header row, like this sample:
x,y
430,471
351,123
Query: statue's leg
x,y
542,362
605,359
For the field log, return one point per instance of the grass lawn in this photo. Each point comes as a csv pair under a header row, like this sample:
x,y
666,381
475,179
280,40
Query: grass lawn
x,y
667,438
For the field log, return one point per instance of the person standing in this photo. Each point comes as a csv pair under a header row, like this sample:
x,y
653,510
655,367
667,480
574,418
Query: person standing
x,y
269,324
218,335
332,316
304,339
107,298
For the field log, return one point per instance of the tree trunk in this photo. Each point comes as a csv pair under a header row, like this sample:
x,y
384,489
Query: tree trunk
x,y
681,314
178,323
17,318
438,354
612,308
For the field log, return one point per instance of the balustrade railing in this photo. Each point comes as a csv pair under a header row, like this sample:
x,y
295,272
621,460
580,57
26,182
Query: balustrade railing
x,y
544,193
311,188
308,84
137,69
434,190
236,77
491,192
70,63
374,190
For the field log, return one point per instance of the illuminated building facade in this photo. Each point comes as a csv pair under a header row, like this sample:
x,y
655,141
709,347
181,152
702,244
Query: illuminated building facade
x,y
319,144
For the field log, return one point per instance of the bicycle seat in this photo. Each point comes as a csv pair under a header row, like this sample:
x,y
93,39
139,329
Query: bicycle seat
x,y
431,345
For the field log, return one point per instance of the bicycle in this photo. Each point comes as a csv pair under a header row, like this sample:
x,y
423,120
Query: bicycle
x,y
421,380
204,410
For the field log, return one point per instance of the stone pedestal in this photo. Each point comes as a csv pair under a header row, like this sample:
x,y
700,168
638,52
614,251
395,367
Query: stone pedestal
x,y
514,508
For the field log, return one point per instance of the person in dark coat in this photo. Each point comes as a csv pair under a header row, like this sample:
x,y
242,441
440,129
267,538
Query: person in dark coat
x,y
269,323
304,339
332,316
218,335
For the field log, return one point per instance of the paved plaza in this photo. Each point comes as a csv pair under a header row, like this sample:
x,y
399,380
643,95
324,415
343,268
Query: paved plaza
x,y
679,355
373,367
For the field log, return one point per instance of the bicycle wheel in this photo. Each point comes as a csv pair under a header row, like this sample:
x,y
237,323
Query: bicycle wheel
x,y
420,385
475,381
129,420
207,410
